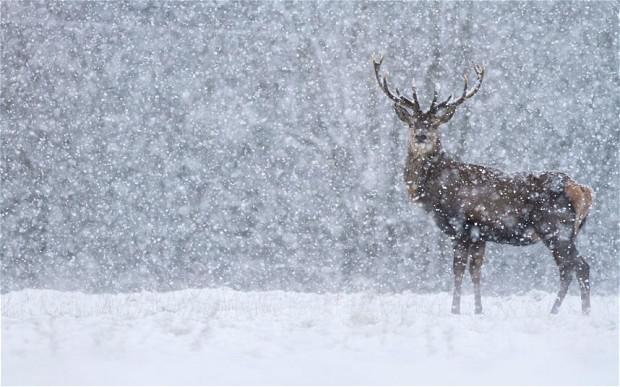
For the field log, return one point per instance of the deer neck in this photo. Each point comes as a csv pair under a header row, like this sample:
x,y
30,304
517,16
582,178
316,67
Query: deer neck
x,y
419,167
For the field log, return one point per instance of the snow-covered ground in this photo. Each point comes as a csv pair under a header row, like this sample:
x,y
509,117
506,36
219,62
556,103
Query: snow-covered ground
x,y
220,336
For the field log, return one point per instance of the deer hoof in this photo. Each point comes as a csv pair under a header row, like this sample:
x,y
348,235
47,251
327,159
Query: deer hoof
x,y
456,310
478,310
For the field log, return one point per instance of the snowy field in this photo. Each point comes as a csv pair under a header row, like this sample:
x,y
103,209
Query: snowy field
x,y
221,336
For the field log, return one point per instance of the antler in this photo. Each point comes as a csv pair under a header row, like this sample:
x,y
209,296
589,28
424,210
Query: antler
x,y
396,97
435,107
383,85
468,94
451,107
402,101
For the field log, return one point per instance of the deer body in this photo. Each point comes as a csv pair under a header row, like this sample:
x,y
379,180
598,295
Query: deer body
x,y
475,204
481,203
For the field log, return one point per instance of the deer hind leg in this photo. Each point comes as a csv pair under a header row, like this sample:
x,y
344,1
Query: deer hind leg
x,y
458,267
580,197
565,255
583,277
476,256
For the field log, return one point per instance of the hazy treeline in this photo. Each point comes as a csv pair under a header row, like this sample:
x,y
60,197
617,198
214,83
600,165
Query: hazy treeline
x,y
152,145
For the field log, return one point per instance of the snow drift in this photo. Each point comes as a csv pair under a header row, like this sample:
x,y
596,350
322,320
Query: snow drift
x,y
220,336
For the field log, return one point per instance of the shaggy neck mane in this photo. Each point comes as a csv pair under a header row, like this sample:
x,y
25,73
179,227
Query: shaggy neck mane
x,y
419,168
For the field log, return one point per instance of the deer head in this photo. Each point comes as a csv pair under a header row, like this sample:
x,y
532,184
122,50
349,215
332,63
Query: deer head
x,y
423,126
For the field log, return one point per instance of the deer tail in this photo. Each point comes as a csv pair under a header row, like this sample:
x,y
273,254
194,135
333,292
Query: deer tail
x,y
580,197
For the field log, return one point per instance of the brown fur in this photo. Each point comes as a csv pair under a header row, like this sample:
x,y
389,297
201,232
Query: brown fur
x,y
474,204
580,197
413,192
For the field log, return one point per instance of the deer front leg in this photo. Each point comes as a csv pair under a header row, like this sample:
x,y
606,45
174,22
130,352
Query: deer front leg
x,y
476,256
458,266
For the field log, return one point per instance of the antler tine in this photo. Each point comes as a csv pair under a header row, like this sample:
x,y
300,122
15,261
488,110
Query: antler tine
x,y
396,97
384,85
465,80
479,69
414,92
442,105
411,104
436,106
434,101
451,107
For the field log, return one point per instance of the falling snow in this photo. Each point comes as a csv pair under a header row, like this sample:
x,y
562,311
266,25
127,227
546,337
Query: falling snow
x,y
151,147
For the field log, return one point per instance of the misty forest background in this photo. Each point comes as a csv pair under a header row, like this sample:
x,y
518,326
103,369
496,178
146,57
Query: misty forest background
x,y
158,146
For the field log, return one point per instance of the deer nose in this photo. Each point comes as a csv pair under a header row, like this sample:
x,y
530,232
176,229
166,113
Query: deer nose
x,y
420,137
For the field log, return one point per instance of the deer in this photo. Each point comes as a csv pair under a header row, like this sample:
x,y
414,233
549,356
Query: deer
x,y
474,204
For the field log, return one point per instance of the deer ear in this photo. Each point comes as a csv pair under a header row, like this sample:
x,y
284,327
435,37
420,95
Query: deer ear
x,y
402,113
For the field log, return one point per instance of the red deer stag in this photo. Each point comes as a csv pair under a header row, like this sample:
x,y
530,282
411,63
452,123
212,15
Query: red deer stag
x,y
474,204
